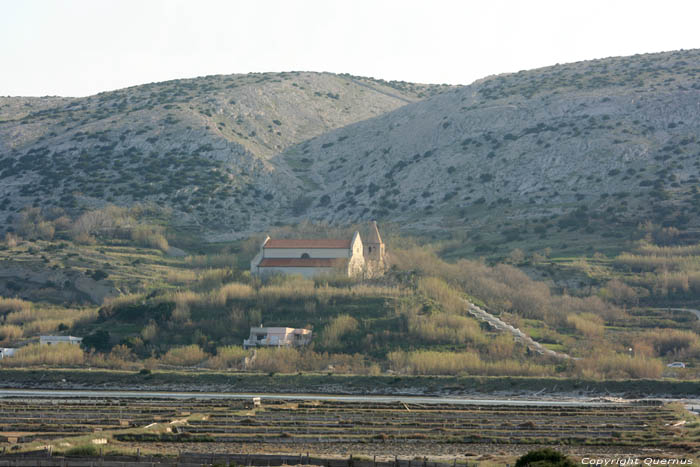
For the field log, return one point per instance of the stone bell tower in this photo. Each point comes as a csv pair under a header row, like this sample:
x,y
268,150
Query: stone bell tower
x,y
374,251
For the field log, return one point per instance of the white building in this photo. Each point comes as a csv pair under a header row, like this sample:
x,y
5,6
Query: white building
x,y
6,352
309,257
53,340
277,337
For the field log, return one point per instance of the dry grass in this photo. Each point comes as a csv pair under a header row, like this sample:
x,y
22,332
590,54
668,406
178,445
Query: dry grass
x,y
336,329
10,333
503,288
150,237
426,362
188,355
37,321
228,357
606,365
112,303
233,290
444,328
587,324
211,261
8,305
180,276
673,342
53,355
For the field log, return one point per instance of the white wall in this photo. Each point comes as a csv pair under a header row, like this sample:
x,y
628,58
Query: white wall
x,y
306,272
312,252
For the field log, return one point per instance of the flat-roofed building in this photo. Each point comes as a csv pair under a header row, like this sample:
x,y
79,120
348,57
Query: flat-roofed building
x,y
277,337
53,340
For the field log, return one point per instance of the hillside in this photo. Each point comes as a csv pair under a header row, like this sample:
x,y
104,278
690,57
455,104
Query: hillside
x,y
565,153
199,146
571,157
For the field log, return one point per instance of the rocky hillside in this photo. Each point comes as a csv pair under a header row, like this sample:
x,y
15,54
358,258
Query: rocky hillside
x,y
201,146
587,149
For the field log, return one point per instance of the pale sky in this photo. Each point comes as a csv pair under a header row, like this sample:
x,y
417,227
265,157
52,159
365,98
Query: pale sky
x,y
81,47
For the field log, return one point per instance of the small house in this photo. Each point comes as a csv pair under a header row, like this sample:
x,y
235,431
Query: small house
x,y
6,352
277,337
53,340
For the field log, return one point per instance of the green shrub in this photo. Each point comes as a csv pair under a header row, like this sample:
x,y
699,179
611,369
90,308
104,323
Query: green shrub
x,y
546,457
86,450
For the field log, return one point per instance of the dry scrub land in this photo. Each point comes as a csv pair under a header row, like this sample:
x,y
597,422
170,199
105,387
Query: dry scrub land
x,y
113,277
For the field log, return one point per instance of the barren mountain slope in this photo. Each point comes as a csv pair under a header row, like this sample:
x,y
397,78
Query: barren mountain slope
x,y
198,145
612,142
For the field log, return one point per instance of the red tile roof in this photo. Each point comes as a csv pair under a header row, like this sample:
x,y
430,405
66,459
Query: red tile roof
x,y
307,243
302,262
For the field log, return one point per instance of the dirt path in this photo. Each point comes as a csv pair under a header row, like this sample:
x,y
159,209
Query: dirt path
x,y
689,310
518,335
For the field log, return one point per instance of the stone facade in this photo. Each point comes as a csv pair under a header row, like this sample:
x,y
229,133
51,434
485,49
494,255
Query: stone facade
x,y
313,257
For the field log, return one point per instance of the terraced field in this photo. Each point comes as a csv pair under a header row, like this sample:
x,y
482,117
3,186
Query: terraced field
x,y
169,426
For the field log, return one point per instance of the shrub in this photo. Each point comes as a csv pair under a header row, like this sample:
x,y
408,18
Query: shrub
x,y
149,331
98,340
10,333
233,290
276,360
587,324
52,355
222,260
445,328
601,365
428,362
673,341
11,240
188,355
619,293
13,304
150,237
231,356
546,457
336,329
86,450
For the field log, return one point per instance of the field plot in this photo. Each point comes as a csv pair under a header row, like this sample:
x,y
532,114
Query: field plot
x,y
169,426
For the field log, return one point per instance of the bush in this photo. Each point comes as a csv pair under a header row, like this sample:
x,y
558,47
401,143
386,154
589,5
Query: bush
x,y
53,355
98,340
10,333
13,304
428,362
616,366
546,457
338,327
150,237
231,356
86,450
188,355
276,360
587,324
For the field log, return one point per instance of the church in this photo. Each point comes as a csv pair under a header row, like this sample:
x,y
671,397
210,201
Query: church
x,y
313,257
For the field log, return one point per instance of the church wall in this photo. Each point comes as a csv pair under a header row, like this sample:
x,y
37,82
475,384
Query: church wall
x,y
312,252
306,272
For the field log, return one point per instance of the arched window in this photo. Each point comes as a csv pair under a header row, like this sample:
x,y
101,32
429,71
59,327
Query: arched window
x,y
305,256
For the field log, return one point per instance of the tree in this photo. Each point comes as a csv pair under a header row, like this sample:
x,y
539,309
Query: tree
x,y
98,340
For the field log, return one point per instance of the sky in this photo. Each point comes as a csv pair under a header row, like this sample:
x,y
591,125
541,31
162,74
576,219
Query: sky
x,y
82,47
